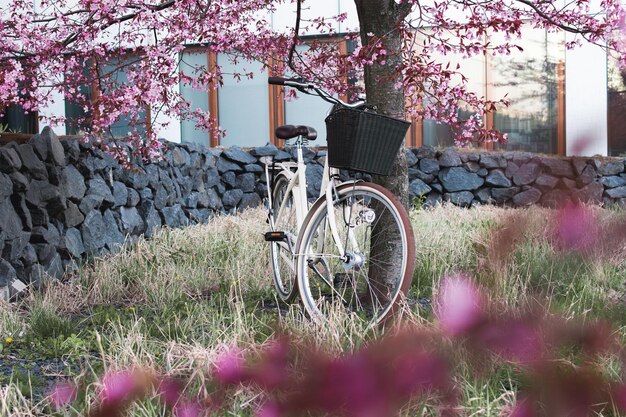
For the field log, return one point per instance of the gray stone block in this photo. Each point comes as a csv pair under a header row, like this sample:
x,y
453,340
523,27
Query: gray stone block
x,y
236,154
10,222
249,200
418,188
449,158
93,231
526,174
429,166
461,198
31,162
120,194
132,223
497,178
72,243
9,160
175,216
73,183
245,182
231,198
458,179
526,198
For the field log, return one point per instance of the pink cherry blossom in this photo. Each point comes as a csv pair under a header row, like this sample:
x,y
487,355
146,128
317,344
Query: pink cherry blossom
x,y
118,386
62,394
523,408
188,409
269,409
170,391
230,367
459,305
576,227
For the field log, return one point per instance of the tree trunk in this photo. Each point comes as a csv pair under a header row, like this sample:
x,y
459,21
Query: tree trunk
x,y
382,18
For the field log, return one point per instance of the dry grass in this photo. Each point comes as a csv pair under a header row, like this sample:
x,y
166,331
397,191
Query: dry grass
x,y
175,302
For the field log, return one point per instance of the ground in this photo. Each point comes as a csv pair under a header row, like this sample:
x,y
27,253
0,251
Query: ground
x,y
175,302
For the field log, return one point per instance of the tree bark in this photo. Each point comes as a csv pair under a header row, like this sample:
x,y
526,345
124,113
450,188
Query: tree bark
x,y
382,19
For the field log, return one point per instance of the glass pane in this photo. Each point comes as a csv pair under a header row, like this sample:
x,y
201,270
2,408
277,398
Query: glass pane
x,y
473,68
198,99
116,73
530,78
616,108
244,103
440,135
307,110
75,113
16,121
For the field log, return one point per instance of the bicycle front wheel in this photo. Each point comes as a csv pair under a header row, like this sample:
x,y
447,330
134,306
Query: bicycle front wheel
x,y
367,266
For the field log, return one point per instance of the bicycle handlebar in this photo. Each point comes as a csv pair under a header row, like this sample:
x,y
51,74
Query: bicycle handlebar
x,y
306,87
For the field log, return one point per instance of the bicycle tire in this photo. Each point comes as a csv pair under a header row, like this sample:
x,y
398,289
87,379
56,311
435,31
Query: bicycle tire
x,y
284,276
327,283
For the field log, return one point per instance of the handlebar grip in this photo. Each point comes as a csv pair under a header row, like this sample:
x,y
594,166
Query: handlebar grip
x,y
277,80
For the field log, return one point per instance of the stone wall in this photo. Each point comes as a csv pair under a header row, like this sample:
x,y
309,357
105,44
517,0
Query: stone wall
x,y
513,178
62,201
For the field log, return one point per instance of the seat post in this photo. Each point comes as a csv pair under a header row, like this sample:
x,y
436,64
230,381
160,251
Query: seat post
x,y
304,201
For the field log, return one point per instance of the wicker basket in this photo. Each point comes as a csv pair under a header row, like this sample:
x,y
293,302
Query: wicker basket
x,y
363,141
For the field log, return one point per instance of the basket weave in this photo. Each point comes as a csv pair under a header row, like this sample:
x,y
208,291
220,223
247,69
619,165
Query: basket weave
x,y
363,141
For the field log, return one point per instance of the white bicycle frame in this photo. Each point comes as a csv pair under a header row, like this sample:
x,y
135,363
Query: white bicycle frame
x,y
298,186
297,181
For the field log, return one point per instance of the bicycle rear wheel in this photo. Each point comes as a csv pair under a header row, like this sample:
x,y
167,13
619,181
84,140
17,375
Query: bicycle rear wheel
x,y
377,268
282,253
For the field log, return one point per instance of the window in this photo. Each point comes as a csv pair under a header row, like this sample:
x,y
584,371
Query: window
x,y
307,110
115,75
533,80
107,77
15,120
75,113
198,99
243,102
436,134
616,117
311,110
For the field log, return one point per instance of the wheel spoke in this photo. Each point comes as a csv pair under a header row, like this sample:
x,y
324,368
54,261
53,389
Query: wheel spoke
x,y
370,278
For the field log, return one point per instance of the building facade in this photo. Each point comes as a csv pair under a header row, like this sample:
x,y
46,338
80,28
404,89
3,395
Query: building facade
x,y
566,102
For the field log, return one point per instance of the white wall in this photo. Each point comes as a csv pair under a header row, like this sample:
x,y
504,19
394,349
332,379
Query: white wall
x,y
284,18
585,100
55,108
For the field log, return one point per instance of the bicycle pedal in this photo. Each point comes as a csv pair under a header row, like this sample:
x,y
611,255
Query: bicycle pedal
x,y
275,237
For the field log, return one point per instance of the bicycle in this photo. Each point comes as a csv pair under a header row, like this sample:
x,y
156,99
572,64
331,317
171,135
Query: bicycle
x,y
353,249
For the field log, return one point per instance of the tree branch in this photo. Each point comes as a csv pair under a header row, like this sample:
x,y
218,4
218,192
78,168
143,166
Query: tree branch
x,y
295,35
551,20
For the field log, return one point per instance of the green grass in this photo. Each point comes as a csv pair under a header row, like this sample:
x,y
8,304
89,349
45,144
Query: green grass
x,y
175,302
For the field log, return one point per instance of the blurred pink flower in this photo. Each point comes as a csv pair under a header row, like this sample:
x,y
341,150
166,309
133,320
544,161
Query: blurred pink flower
x,y
459,305
269,409
188,409
513,340
118,386
62,394
576,227
272,371
230,367
523,408
419,372
619,396
170,391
